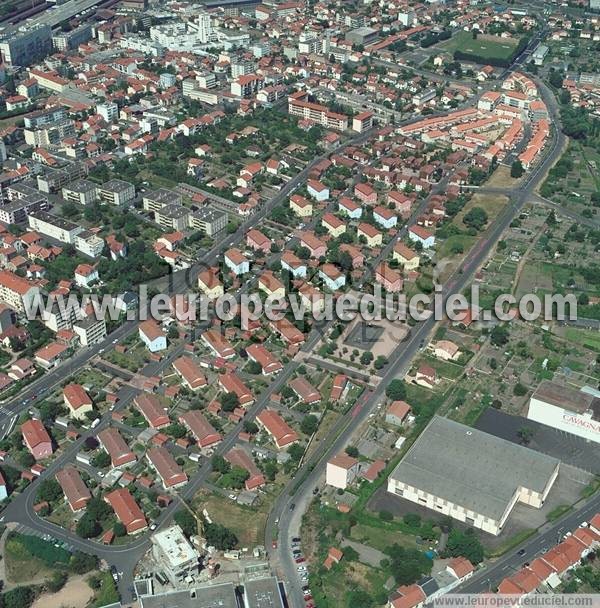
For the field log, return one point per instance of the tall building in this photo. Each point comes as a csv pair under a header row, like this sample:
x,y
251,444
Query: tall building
x,y
205,29
71,40
26,46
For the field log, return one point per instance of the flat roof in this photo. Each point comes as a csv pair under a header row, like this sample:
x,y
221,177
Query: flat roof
x,y
567,397
208,596
472,468
54,220
263,593
175,546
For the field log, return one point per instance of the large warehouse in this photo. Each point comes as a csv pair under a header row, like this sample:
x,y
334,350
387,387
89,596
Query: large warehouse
x,y
472,476
567,409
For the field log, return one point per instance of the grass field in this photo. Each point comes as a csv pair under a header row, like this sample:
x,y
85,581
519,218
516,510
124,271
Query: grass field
x,y
248,524
586,337
488,47
492,204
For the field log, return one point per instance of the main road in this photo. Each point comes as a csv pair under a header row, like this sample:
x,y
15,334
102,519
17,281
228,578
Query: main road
x,y
125,557
294,500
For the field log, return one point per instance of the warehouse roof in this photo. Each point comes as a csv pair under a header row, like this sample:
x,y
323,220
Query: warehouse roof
x,y
567,397
210,596
471,468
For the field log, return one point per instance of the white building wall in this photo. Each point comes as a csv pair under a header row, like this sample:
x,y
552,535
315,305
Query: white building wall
x,y
581,425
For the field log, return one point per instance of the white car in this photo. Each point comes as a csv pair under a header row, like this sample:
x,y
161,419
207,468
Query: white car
x,y
301,568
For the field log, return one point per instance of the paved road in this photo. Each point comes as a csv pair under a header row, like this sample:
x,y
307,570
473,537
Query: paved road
x,y
289,517
488,578
125,557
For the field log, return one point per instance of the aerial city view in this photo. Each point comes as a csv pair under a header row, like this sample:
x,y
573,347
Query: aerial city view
x,y
299,303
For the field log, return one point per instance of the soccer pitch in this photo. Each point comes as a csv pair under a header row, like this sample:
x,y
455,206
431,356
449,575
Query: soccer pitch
x,y
486,47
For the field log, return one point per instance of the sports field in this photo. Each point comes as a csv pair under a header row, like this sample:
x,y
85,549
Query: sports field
x,y
487,47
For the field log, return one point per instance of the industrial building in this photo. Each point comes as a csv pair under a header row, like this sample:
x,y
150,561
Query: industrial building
x,y
209,596
263,593
472,476
566,409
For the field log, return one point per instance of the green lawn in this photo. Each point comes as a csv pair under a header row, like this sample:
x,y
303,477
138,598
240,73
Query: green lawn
x,y
488,47
586,337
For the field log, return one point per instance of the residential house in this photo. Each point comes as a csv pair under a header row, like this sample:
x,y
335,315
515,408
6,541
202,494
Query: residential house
x,y
283,435
406,257
341,471
78,401
36,439
373,237
152,335
421,235
236,261
301,206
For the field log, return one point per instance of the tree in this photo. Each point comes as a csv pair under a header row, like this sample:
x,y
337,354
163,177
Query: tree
x,y
519,390
352,451
26,459
219,464
412,520
465,544
20,597
49,490
253,367
296,451
88,527
408,565
57,581
187,522
516,169
119,529
98,509
270,469
525,434
176,430
476,218
83,562
366,357
499,335
236,478
309,424
396,390
229,401
101,460
220,537
250,427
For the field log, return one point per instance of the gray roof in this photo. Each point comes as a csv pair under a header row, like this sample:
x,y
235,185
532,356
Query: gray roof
x,y
566,397
209,596
263,593
471,468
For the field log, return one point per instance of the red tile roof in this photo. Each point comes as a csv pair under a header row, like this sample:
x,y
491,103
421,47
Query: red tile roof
x,y
201,428
127,510
152,410
116,447
75,490
165,465
277,427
